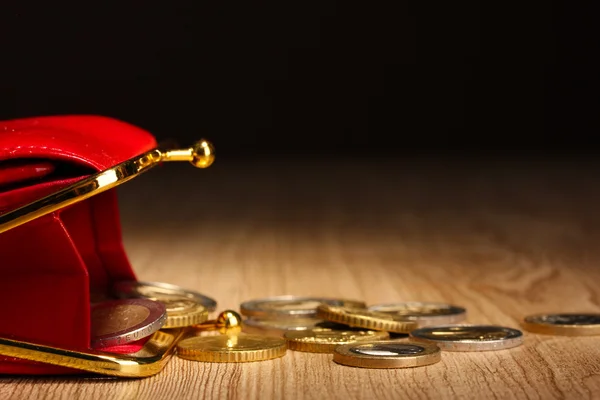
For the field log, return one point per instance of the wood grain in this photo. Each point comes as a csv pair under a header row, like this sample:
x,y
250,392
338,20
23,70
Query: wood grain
x,y
502,238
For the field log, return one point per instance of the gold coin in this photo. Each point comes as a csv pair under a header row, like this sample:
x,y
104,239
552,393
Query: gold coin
x,y
567,324
182,311
136,289
291,306
234,348
423,313
470,337
320,340
176,304
365,319
387,354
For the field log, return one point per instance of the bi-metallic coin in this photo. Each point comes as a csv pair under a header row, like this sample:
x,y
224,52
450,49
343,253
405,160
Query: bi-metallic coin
x,y
124,321
136,289
469,337
566,324
291,306
387,354
321,340
231,348
423,313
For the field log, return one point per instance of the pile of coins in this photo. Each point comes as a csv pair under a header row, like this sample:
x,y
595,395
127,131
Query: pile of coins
x,y
134,333
357,335
393,335
141,309
275,316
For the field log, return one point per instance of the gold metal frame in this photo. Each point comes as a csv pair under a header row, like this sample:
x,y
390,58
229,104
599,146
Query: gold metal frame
x,y
201,155
149,361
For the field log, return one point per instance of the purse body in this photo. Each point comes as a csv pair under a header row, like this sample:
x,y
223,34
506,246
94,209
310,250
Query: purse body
x,y
54,267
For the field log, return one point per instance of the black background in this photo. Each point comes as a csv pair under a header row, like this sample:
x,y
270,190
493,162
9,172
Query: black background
x,y
312,77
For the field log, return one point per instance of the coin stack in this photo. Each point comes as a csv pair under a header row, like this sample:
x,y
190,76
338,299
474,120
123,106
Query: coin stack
x,y
140,310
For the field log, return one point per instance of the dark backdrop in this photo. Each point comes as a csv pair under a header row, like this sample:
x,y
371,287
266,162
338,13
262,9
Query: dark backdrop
x,y
326,76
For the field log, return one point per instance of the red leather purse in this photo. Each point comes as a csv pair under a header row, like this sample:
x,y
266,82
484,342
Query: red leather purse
x,y
51,268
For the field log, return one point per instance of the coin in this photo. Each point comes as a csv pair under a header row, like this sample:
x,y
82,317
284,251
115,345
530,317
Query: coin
x,y
182,311
567,324
423,313
470,337
291,306
387,354
231,348
119,322
133,289
321,340
278,327
362,318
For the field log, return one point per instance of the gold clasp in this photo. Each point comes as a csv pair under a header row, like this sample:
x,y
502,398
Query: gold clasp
x,y
201,155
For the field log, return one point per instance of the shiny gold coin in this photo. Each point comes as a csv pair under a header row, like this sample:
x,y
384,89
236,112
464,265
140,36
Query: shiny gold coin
x,y
387,354
291,306
365,319
566,324
231,348
469,337
423,313
177,304
321,340
182,311
136,289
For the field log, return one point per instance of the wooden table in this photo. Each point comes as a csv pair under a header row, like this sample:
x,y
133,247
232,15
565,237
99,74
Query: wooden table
x,y
502,238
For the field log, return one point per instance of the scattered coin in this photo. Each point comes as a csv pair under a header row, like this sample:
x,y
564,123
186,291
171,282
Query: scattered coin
x,y
470,337
320,340
291,306
182,311
387,354
136,289
566,324
278,327
423,313
124,321
231,348
362,318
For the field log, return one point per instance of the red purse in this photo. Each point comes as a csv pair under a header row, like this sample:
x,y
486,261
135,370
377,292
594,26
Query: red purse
x,y
52,267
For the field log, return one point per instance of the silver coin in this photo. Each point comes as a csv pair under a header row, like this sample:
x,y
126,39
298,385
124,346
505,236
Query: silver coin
x,y
136,289
470,337
292,306
119,322
279,327
388,350
423,313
